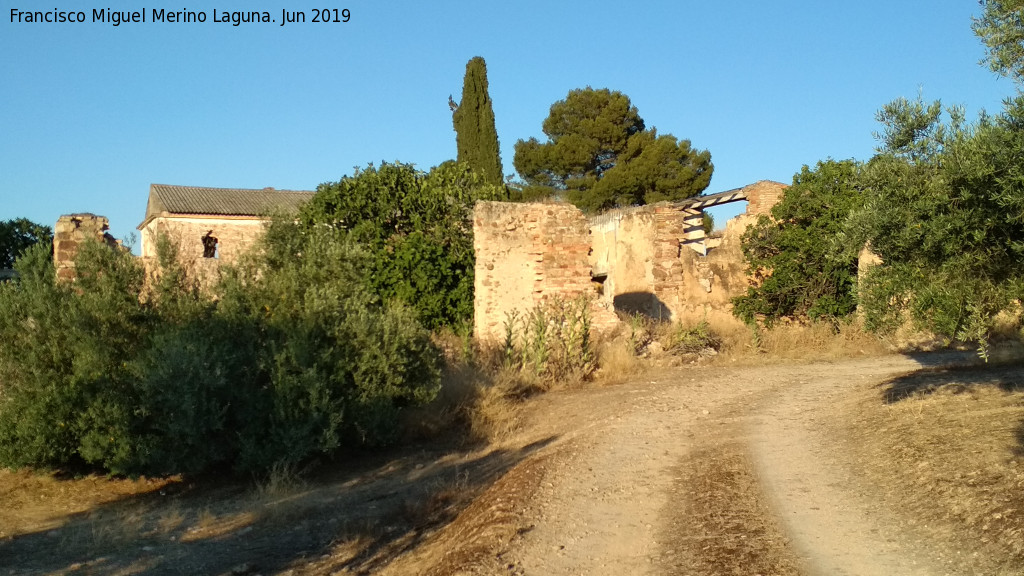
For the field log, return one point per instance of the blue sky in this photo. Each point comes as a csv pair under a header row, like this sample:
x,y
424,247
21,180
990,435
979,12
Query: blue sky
x,y
91,114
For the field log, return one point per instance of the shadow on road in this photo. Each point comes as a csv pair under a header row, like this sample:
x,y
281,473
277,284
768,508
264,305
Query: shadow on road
x,y
378,508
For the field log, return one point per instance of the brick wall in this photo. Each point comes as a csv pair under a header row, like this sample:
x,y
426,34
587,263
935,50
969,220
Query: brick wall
x,y
70,232
761,196
234,237
525,254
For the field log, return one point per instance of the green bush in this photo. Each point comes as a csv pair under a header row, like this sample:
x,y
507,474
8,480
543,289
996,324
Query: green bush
x,y
66,350
692,339
294,359
416,231
552,340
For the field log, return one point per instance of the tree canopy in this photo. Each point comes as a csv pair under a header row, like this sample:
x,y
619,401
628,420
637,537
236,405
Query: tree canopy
x,y
797,270
475,135
19,234
944,209
600,154
415,225
1001,29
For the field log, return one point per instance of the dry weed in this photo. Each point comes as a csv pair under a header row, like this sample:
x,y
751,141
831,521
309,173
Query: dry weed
x,y
170,519
277,498
105,531
495,413
723,525
797,341
617,362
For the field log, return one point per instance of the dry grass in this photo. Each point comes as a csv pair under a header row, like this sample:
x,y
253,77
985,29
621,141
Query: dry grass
x,y
495,412
722,525
796,341
34,502
944,448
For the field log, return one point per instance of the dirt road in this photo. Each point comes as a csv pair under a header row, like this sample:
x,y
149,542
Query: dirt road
x,y
709,470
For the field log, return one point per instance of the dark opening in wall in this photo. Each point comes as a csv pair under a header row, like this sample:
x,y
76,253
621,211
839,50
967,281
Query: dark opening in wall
x,y
209,245
597,281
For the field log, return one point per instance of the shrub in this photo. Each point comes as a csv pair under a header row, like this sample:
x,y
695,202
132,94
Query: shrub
x,y
66,351
295,359
692,339
552,340
415,229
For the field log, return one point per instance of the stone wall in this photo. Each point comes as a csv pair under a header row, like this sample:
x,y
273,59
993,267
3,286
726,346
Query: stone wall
x,y
234,236
652,260
762,195
711,281
635,253
526,254
70,232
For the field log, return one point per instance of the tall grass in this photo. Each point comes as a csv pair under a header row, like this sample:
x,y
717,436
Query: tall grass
x,y
551,341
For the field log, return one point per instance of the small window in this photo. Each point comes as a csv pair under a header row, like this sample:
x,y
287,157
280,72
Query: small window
x,y
209,245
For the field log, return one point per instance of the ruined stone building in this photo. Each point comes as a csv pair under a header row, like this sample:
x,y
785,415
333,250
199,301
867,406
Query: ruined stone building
x,y
211,225
653,260
71,231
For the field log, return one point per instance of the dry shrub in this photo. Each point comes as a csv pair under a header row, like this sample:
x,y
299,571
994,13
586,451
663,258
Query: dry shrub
x,y
283,482
495,412
799,341
617,361
101,532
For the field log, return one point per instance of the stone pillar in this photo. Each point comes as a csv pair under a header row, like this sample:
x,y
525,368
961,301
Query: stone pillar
x,y
866,260
670,225
763,195
69,234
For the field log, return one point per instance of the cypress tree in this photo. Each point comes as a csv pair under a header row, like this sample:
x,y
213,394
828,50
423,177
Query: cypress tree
x,y
475,135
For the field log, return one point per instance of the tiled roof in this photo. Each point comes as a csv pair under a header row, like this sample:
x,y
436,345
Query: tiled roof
x,y
183,200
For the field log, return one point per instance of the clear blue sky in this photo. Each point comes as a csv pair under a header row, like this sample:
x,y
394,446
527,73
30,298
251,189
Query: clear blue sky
x,y
91,114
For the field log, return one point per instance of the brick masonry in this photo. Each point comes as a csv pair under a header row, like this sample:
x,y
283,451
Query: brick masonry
x,y
70,232
652,260
526,254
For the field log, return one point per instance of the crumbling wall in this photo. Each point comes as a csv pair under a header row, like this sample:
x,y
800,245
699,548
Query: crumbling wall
x,y
635,252
711,281
622,258
653,260
231,237
762,196
525,254
70,232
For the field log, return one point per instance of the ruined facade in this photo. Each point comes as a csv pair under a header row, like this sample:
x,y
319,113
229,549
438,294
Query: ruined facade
x,y
70,232
525,254
653,260
210,226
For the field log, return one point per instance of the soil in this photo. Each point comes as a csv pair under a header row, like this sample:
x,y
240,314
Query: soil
x,y
779,469
720,470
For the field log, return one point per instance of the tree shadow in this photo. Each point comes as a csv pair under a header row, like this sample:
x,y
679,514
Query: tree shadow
x,y
643,304
372,510
958,380
951,378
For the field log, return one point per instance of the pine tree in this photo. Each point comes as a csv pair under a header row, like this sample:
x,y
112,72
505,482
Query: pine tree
x,y
475,135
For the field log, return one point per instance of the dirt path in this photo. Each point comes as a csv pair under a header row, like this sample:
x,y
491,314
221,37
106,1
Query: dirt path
x,y
835,528
620,495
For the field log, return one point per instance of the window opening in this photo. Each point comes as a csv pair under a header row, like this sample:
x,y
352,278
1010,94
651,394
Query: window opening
x,y
210,245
